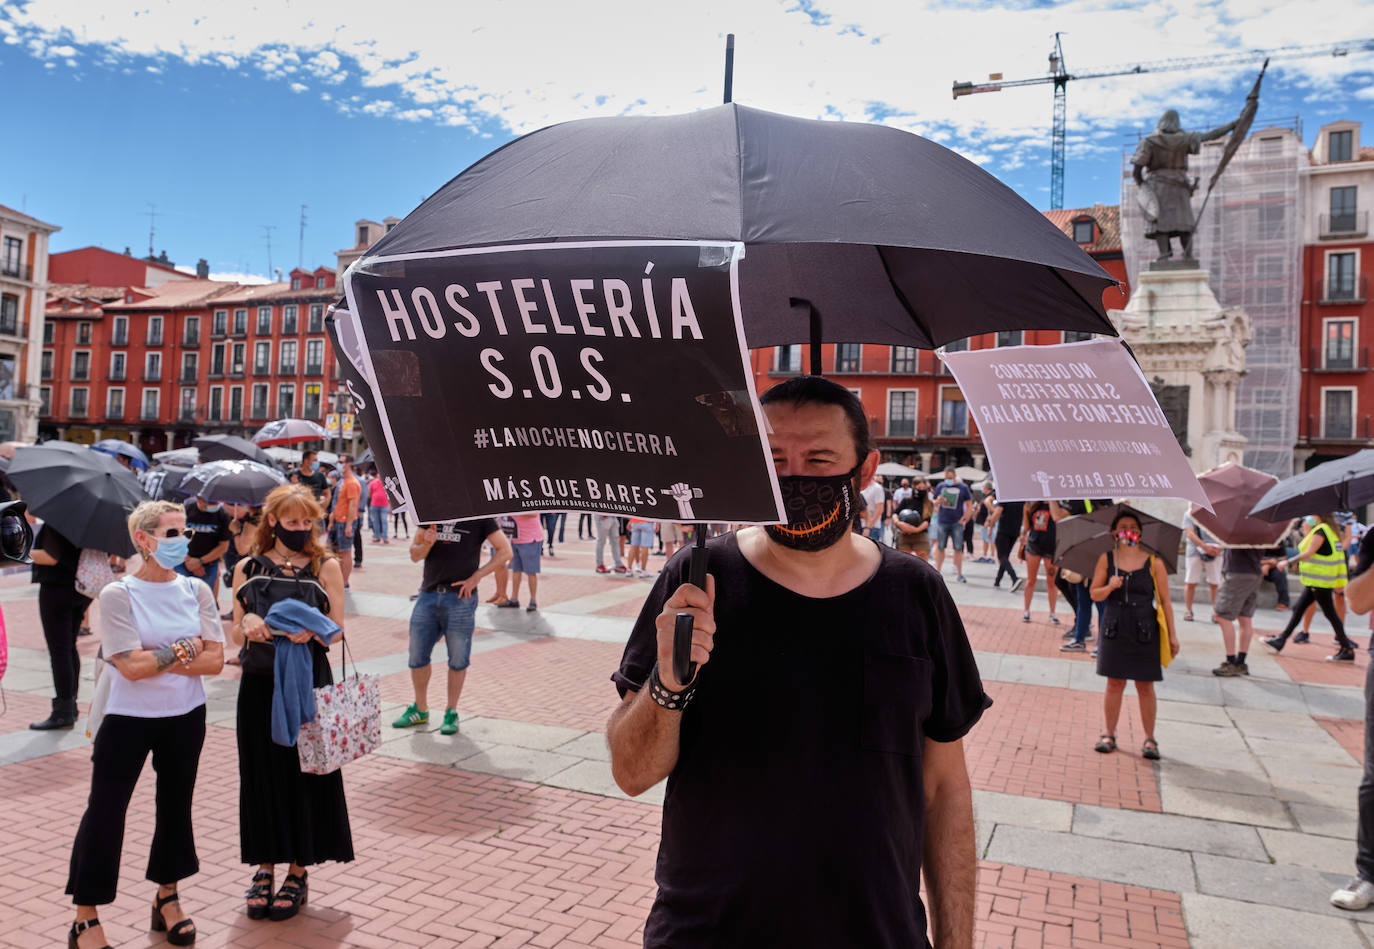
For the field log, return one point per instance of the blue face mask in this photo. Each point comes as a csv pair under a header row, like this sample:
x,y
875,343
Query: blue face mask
x,y
1310,521
213,507
171,551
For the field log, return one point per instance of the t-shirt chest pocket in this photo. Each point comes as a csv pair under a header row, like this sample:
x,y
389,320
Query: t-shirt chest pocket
x,y
896,700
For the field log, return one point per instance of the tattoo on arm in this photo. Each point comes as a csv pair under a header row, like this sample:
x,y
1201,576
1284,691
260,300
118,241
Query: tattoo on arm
x,y
165,657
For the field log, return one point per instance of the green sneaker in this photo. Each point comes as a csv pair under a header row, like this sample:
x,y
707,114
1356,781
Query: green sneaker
x,y
411,716
450,726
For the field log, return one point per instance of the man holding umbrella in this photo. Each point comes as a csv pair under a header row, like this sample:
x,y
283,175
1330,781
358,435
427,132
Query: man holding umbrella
x,y
812,762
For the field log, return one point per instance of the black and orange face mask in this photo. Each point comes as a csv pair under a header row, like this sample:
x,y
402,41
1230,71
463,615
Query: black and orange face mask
x,y
820,510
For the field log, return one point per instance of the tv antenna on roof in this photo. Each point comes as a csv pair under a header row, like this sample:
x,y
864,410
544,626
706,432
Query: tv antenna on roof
x,y
152,229
300,252
267,230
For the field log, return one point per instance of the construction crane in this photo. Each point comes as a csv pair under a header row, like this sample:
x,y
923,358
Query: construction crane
x,y
1060,76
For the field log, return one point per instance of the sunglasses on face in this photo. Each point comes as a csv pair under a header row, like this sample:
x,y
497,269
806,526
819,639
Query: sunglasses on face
x,y
171,532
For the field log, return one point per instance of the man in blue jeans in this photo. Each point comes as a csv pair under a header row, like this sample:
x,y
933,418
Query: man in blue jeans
x,y
954,509
447,606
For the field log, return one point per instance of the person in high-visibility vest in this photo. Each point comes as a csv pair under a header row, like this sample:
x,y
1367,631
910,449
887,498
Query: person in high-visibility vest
x,y
1321,567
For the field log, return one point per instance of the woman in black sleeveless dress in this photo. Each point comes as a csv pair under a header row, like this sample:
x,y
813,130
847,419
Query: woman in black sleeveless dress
x,y
1037,547
285,816
1125,582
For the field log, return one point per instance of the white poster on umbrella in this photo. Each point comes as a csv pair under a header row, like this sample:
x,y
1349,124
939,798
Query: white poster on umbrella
x,y
1077,420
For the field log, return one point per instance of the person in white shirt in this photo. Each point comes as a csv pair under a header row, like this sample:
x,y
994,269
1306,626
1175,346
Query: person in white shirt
x,y
875,496
159,632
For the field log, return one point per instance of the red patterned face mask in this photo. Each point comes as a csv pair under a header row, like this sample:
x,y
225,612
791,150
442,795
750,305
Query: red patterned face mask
x,y
1128,537
820,510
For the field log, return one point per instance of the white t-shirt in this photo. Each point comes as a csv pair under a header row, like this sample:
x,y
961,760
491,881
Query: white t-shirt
x,y
873,498
142,614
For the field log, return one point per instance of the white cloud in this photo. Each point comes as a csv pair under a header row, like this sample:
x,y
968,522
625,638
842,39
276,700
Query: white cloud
x,y
298,87
229,276
515,67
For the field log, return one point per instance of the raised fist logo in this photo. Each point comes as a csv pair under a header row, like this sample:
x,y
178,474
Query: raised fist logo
x,y
684,494
1044,480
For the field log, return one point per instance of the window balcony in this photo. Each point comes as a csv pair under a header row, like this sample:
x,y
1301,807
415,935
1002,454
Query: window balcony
x,y
1354,290
117,375
190,340
314,369
114,413
288,369
259,411
1357,361
261,369
119,338
14,327
15,270
236,372
1348,430
1344,226
189,375
218,332
217,372
148,415
154,339
152,375
187,414
239,332
78,410
81,375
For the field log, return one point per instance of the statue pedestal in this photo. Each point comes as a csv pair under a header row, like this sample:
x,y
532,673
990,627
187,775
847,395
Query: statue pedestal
x,y
1192,350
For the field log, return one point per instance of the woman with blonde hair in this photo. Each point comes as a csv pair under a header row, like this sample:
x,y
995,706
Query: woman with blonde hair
x,y
159,632
285,816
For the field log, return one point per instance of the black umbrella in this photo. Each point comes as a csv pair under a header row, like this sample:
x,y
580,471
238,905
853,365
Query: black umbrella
x,y
232,482
1081,539
230,448
85,495
163,483
1340,485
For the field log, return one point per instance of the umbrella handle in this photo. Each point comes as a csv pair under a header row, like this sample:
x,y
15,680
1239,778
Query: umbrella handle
x,y
684,669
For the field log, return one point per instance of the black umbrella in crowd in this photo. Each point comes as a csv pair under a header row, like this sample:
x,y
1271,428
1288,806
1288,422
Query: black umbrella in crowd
x,y
85,495
163,483
232,482
230,448
1081,539
855,233
1340,485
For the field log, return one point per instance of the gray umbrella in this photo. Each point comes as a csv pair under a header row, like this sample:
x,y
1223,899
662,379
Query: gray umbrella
x,y
857,233
1340,485
230,447
1081,539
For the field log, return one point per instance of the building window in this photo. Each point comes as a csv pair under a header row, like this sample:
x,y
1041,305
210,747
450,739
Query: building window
x,y
288,320
188,404
957,345
216,403
9,315
220,324
953,412
1339,145
1083,231
286,401
118,366
262,358
154,337
287,366
1339,349
44,401
1340,276
152,367
311,406
1010,338
190,333
48,334
7,378
119,331
259,400
901,413
217,359
1343,210
152,401
45,365
316,318
319,283
1338,413
314,357
904,360
295,283
787,358
80,402
114,403
362,235
848,357
189,366
83,334
14,257
240,322
81,366
1077,336
236,404
264,321
236,359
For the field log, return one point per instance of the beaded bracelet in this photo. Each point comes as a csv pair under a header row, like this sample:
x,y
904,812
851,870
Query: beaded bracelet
x,y
675,701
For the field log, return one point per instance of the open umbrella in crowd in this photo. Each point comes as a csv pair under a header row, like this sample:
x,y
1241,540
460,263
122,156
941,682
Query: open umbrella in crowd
x,y
122,449
1233,491
1340,485
230,447
288,431
231,481
1081,539
85,495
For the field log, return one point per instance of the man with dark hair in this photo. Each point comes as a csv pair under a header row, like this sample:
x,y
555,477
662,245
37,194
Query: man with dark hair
x,y
310,474
815,758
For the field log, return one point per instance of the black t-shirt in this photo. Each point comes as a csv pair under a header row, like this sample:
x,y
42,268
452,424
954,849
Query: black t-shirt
x,y
67,555
795,815
317,480
211,527
1242,560
1009,521
456,553
1040,534
918,501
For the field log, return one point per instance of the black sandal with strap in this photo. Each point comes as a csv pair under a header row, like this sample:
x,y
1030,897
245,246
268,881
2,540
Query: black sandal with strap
x,y
261,889
1106,744
179,934
79,927
295,890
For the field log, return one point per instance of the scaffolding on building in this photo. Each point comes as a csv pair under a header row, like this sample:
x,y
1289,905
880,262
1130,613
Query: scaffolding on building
x,y
1250,243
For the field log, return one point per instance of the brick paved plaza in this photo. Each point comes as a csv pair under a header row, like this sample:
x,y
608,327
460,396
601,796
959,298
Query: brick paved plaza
x,y
512,833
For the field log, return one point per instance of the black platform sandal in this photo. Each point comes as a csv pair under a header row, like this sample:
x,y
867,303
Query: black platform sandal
x,y
180,934
294,889
261,889
79,927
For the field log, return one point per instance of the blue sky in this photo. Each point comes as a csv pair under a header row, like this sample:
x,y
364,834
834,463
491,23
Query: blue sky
x,y
229,115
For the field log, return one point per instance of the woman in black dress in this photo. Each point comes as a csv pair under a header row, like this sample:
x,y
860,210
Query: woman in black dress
x,y
285,816
1037,547
1127,581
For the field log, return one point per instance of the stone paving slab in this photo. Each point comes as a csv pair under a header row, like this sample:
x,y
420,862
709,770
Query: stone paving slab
x,y
1294,849
1223,806
1297,888
500,731
594,777
1169,830
1325,821
1218,923
1099,859
522,764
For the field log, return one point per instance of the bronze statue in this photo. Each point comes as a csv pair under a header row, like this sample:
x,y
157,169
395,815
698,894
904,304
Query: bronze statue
x,y
1165,194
